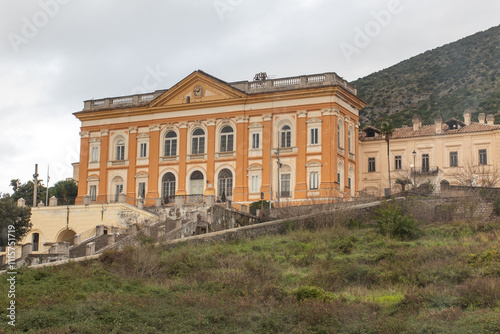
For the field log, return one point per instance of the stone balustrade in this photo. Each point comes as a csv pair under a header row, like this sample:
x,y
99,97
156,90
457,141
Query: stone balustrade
x,y
249,87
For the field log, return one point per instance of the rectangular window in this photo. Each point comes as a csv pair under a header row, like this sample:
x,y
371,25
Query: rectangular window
x,y
226,143
142,190
314,136
285,185
120,152
349,183
255,184
170,147
371,165
483,157
255,140
338,178
313,180
425,162
397,162
94,154
93,193
454,159
198,145
143,150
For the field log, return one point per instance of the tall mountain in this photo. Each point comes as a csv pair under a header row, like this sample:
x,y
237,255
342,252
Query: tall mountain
x,y
445,81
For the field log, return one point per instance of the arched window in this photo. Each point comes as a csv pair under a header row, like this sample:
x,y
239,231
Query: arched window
x,y
120,150
197,183
349,140
170,144
340,133
286,136
340,176
226,139
225,183
117,186
35,241
351,181
198,142
168,187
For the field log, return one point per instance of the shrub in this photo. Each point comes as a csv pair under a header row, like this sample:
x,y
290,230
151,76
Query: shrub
x,y
312,292
496,206
257,205
479,292
392,223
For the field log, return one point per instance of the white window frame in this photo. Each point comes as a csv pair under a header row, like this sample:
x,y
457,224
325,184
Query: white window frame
x,y
143,150
168,143
226,139
314,136
94,154
255,140
314,180
254,183
200,149
120,150
93,192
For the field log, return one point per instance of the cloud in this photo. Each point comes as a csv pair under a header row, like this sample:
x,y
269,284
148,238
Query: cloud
x,y
95,49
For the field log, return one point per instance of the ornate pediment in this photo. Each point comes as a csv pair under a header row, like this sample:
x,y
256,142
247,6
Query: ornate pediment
x,y
195,88
313,163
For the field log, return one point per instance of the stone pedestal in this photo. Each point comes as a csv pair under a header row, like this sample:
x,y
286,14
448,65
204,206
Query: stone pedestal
x,y
21,202
77,239
99,230
86,200
27,249
90,249
53,201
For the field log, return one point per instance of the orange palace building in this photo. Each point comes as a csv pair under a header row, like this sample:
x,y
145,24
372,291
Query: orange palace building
x,y
205,136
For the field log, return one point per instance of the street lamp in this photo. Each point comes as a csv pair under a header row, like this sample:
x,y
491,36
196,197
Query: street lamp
x,y
414,156
278,161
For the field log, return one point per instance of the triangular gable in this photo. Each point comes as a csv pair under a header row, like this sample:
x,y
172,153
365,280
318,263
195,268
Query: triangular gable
x,y
197,87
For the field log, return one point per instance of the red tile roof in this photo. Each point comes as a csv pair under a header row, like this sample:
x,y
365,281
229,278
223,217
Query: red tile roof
x,y
430,130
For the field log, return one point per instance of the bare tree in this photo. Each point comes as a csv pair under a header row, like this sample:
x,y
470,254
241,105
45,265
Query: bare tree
x,y
472,175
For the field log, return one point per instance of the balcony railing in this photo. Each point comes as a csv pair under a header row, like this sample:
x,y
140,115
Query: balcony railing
x,y
434,170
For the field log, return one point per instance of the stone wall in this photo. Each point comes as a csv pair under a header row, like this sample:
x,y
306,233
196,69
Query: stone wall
x,y
223,218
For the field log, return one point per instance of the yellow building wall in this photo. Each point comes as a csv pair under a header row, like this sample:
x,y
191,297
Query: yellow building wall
x,y
438,147
52,222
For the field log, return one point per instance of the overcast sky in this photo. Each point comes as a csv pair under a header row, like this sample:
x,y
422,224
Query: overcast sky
x,y
54,54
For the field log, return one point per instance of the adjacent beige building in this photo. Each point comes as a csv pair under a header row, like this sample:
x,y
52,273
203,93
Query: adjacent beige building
x,y
455,151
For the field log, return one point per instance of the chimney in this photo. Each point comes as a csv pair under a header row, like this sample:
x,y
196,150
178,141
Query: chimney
x,y
490,119
417,122
467,117
482,118
438,123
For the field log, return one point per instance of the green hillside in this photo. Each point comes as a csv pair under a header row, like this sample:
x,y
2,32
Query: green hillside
x,y
444,81
346,278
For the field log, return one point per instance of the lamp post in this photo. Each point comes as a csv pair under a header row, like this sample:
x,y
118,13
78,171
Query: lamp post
x,y
278,161
414,157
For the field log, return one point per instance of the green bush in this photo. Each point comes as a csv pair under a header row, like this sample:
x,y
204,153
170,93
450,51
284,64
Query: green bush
x,y
392,223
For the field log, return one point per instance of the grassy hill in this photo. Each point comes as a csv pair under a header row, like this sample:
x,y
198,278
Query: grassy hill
x,y
340,279
444,81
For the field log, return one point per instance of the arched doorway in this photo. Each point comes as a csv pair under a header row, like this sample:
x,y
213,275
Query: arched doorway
x,y
116,188
225,184
168,187
67,236
196,183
